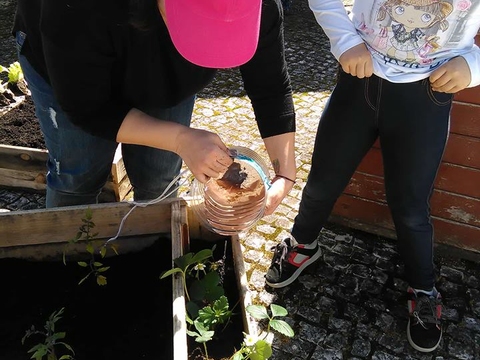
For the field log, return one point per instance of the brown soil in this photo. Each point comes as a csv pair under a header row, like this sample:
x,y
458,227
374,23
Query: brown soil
x,y
20,127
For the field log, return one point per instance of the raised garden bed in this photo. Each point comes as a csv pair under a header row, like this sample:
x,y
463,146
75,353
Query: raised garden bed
x,y
23,154
136,315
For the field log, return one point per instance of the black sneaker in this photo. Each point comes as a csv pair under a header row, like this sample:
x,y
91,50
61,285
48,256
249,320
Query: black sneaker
x,y
424,330
289,260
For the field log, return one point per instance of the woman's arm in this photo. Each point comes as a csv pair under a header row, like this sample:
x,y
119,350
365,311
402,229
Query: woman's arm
x,y
203,152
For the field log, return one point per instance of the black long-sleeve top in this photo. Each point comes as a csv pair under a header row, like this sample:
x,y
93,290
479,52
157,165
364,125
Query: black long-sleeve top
x,y
103,59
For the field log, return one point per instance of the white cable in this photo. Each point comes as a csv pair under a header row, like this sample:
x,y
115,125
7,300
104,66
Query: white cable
x,y
163,196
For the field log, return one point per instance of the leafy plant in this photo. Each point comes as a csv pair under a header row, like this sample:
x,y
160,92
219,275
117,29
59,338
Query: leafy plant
x,y
260,349
184,266
51,342
207,306
203,287
14,71
93,247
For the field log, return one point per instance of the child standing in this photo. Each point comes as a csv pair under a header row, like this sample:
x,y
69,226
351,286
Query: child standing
x,y
401,62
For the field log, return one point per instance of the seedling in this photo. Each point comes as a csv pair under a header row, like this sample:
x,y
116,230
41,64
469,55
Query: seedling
x,y
48,348
94,248
260,349
14,71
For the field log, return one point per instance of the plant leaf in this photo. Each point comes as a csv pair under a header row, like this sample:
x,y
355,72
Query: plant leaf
x,y
282,327
192,309
192,333
197,290
101,280
103,269
258,311
263,350
183,261
201,256
278,310
170,272
237,356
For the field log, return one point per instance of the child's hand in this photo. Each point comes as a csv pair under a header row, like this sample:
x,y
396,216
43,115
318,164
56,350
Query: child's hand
x,y
357,61
452,76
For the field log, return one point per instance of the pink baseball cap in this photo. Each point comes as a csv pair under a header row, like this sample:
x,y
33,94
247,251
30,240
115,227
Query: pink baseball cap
x,y
214,33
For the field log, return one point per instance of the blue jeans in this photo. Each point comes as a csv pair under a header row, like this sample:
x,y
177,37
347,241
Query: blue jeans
x,y
79,163
412,123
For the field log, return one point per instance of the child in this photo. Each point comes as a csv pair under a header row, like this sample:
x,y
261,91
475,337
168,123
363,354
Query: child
x,y
401,62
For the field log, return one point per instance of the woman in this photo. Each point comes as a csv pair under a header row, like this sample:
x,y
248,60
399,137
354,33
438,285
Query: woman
x,y
127,72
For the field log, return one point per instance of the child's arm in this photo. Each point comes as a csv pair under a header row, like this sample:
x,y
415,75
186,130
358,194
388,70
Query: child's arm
x,y
333,18
452,76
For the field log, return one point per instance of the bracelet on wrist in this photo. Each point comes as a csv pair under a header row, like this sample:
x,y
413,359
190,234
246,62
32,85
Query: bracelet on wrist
x,y
277,176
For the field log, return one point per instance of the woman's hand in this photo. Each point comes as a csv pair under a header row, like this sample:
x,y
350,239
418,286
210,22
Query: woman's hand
x,y
204,153
278,191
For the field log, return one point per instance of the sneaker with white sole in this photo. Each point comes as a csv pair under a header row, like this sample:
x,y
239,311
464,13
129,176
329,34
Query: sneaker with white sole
x,y
289,260
424,331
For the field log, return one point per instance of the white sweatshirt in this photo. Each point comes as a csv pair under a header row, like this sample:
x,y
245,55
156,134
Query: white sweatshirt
x,y
408,39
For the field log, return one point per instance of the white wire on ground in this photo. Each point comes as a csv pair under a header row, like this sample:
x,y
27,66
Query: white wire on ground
x,y
163,196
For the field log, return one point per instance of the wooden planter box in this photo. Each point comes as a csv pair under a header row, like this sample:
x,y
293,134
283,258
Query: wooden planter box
x,y
455,204
36,234
25,168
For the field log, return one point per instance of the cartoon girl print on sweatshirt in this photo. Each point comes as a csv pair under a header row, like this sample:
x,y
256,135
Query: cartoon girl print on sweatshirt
x,y
414,27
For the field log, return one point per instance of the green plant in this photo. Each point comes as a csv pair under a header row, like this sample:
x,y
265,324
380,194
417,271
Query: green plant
x,y
14,71
260,349
51,342
95,248
208,307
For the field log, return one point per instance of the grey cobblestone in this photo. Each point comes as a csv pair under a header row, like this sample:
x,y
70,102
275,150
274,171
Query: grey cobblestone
x,y
351,303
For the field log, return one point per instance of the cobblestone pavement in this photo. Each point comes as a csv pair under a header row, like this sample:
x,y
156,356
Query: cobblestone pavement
x,y
350,304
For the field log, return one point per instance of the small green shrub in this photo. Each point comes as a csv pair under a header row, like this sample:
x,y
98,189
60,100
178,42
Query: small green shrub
x,y
48,348
95,248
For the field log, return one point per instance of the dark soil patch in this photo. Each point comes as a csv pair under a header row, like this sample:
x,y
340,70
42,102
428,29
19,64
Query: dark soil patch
x,y
129,318
20,127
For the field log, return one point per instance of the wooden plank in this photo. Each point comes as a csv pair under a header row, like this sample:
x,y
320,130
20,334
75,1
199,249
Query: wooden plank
x,y
455,208
447,205
461,236
458,179
463,150
366,186
28,179
25,168
363,211
179,227
58,225
22,158
374,217
465,119
469,95
372,163
451,177
118,167
460,150
122,188
249,323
